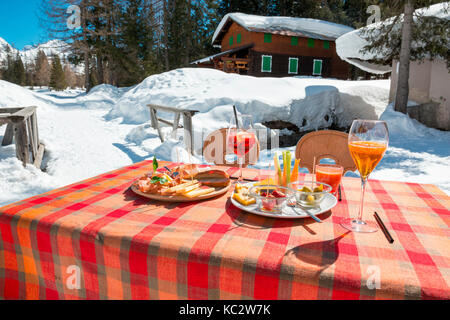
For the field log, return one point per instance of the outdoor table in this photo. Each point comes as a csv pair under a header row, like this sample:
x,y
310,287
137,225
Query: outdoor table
x,y
129,247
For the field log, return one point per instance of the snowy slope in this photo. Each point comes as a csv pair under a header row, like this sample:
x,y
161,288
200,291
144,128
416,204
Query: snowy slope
x,y
29,53
311,28
86,135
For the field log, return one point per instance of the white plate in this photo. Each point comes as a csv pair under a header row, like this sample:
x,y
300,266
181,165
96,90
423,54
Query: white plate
x,y
328,203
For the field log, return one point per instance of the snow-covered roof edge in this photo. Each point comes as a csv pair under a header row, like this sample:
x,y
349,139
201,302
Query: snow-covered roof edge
x,y
349,45
313,28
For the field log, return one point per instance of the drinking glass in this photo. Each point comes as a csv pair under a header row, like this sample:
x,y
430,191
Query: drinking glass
x,y
367,142
241,138
330,174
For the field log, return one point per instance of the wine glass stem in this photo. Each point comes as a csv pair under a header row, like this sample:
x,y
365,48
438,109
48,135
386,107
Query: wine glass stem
x,y
240,170
363,190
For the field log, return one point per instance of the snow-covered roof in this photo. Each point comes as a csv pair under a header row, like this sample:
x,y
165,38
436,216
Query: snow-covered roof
x,y
306,27
349,45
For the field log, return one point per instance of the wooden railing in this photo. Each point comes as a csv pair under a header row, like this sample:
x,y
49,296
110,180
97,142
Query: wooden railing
x,y
187,123
23,128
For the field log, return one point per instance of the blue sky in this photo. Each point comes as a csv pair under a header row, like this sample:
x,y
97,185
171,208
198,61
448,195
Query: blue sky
x,y
19,24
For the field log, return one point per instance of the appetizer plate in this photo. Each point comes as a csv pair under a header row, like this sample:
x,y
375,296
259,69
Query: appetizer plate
x,y
179,198
328,203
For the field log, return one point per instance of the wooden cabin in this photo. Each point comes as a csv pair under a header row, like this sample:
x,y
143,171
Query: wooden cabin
x,y
277,47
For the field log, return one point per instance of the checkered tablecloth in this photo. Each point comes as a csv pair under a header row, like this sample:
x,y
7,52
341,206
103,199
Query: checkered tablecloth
x,y
98,240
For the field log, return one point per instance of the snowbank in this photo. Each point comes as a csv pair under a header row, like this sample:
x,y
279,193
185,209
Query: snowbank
x,y
298,100
12,96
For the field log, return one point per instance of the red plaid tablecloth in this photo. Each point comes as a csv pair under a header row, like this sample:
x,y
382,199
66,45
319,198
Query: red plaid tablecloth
x,y
122,246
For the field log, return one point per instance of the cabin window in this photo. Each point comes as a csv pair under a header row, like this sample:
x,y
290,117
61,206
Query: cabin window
x,y
266,63
294,41
231,40
293,66
310,43
326,44
317,67
267,37
238,38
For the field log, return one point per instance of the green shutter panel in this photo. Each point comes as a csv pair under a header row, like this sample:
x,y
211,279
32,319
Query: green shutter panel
x,y
267,37
310,43
231,41
238,38
326,44
293,66
266,64
294,41
317,70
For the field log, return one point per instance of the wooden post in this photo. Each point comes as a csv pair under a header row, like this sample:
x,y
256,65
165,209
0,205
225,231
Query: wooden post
x,y
155,123
176,121
188,136
9,134
21,139
35,127
32,142
152,118
22,127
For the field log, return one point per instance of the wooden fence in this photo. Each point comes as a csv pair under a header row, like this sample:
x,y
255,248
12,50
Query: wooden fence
x,y
23,128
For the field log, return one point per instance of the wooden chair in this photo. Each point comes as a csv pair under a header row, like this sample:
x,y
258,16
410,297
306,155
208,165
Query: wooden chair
x,y
325,144
215,150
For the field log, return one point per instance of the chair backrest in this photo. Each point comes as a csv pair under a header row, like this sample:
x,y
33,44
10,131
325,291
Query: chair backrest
x,y
215,150
325,144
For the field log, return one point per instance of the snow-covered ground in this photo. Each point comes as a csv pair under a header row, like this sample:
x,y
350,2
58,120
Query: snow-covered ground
x,y
86,135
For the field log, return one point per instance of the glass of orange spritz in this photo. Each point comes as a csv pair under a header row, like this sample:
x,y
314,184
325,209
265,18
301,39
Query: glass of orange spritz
x,y
367,142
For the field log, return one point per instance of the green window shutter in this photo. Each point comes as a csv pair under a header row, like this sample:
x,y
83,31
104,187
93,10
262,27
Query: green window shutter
x,y
267,37
310,43
231,40
293,65
317,68
266,64
326,44
238,38
294,41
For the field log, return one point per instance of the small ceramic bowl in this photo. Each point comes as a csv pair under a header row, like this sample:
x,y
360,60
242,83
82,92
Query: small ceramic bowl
x,y
271,198
310,194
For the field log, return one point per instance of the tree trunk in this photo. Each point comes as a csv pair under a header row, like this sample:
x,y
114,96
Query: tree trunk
x,y
401,96
166,35
188,35
101,75
87,80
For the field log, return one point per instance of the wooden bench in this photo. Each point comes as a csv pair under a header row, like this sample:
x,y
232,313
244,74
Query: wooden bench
x,y
22,127
187,123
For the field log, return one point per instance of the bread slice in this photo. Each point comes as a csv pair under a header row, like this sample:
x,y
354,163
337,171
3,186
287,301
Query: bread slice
x,y
199,192
213,178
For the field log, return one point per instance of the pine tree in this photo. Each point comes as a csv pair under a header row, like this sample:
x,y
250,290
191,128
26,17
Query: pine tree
x,y
29,72
9,66
19,71
69,76
57,79
42,73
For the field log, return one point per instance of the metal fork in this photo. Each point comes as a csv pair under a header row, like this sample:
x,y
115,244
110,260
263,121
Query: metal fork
x,y
294,205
